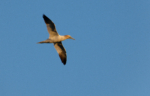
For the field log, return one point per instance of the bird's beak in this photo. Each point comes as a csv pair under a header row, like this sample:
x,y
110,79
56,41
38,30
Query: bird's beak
x,y
71,38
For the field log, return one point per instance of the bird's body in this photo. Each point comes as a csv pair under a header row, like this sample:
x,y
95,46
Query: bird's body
x,y
56,39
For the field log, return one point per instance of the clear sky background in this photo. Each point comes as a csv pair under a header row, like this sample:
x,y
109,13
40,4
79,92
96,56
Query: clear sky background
x,y
110,56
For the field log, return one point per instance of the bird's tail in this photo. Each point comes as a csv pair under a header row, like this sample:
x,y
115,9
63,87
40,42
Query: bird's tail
x,y
43,42
46,41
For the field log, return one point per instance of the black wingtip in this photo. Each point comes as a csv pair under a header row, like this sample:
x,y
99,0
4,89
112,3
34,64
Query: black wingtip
x,y
44,16
64,63
47,20
63,58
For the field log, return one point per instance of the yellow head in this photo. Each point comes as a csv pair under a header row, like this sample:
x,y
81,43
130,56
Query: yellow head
x,y
69,37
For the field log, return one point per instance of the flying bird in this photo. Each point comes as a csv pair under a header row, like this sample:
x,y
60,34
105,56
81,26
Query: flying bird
x,y
56,39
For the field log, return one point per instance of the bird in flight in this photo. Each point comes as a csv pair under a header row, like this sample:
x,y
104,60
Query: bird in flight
x,y
56,39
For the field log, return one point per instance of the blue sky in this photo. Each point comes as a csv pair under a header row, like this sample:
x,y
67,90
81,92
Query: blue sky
x,y
110,56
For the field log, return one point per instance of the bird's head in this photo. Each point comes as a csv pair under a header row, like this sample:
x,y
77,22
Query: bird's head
x,y
69,37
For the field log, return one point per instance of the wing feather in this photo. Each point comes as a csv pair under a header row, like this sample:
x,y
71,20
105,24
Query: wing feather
x,y
61,51
50,27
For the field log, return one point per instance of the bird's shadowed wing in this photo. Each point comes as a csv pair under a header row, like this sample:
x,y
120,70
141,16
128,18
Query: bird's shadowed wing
x,y
61,51
50,26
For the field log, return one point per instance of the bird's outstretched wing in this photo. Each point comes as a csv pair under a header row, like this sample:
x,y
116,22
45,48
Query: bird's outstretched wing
x,y
61,51
50,27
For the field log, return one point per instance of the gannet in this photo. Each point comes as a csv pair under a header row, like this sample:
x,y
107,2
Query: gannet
x,y
56,39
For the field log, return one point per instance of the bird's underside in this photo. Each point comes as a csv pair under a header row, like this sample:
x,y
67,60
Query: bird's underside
x,y
56,39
